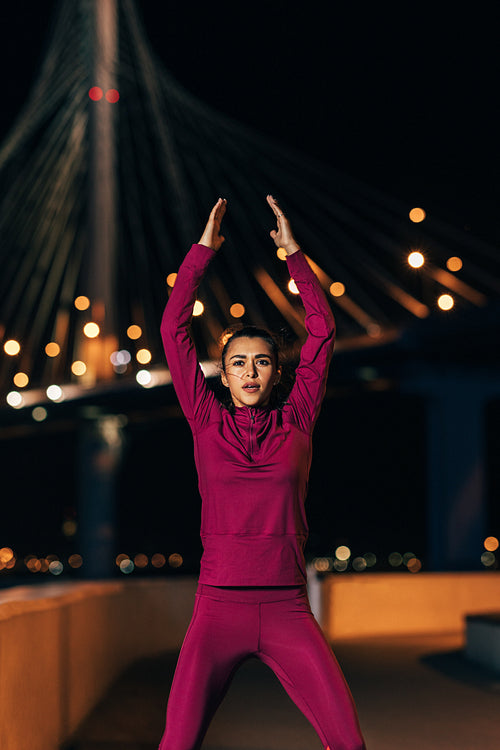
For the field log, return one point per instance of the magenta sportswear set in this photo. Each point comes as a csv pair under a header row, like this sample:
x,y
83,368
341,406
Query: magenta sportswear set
x,y
253,466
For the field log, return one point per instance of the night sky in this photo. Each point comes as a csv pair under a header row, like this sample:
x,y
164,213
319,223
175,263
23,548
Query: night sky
x,y
400,97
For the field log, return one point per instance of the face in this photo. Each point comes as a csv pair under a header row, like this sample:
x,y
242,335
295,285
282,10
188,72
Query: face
x,y
250,371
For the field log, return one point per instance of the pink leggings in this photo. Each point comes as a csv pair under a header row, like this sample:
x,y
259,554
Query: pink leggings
x,y
275,625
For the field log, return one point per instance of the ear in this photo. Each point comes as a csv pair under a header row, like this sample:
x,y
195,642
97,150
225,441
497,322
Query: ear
x,y
224,380
278,376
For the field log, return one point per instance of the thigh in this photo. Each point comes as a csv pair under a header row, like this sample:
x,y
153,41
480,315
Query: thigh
x,y
293,645
213,648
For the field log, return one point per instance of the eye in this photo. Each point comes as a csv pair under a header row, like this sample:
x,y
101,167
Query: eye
x,y
264,362
237,362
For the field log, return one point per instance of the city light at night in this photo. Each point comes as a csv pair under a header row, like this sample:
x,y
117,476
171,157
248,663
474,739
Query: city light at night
x,y
12,347
417,215
445,302
237,310
52,349
337,289
21,380
454,264
416,259
134,332
91,330
82,303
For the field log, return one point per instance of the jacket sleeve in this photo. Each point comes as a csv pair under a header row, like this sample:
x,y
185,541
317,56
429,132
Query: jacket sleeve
x,y
195,397
309,388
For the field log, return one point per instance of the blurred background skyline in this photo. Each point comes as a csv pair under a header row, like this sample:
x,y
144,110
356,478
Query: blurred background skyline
x,y
403,104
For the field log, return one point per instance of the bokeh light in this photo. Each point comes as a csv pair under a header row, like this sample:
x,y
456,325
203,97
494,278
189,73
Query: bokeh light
x,y
39,413
56,567
416,259
454,263
78,368
292,287
6,555
143,356
52,349
141,560
95,93
82,302
323,564
414,565
175,560
54,392
359,564
237,310
91,330
491,543
337,289
126,566
417,215
112,96
488,559
69,527
198,308
281,253
12,347
340,565
158,560
371,559
342,553
134,332
120,359
14,399
445,302
21,379
75,561
144,378
171,279
395,559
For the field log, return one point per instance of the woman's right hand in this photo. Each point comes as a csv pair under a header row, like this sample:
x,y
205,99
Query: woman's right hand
x,y
212,237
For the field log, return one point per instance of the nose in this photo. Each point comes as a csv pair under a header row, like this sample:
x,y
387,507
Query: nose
x,y
251,370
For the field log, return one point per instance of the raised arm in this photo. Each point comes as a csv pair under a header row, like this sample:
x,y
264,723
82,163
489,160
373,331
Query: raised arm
x,y
195,397
308,391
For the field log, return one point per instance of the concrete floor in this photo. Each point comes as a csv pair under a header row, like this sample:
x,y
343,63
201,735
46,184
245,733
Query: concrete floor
x,y
413,693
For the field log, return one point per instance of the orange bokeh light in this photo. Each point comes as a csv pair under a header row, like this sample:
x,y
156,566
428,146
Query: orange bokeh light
x,y
491,543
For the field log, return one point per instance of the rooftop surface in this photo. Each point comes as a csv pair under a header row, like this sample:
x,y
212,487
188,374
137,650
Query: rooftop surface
x,y
416,693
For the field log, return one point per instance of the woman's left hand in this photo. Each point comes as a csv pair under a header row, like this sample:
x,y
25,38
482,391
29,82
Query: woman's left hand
x,y
283,236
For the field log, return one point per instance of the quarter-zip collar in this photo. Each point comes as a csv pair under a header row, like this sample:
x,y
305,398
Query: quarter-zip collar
x,y
252,424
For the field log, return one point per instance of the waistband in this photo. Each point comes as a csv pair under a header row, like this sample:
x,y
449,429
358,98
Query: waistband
x,y
252,594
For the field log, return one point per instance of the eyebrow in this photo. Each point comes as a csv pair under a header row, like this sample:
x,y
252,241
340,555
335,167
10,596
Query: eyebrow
x,y
244,356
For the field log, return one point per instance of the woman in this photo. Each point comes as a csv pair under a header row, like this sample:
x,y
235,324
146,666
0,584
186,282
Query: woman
x,y
253,464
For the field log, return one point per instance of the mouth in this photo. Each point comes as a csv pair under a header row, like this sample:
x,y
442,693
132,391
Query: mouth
x,y
251,387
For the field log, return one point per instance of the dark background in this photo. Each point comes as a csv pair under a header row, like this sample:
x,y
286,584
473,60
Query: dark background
x,y
402,97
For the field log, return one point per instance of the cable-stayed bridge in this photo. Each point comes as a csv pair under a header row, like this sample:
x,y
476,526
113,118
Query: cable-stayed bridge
x,y
107,177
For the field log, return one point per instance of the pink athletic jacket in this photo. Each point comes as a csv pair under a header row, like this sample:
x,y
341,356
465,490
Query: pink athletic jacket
x,y
253,464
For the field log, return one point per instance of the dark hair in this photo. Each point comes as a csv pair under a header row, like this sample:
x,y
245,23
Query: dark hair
x,y
250,332
282,389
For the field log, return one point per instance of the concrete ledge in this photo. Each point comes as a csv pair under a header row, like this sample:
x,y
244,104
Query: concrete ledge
x,y
482,643
379,604
62,645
